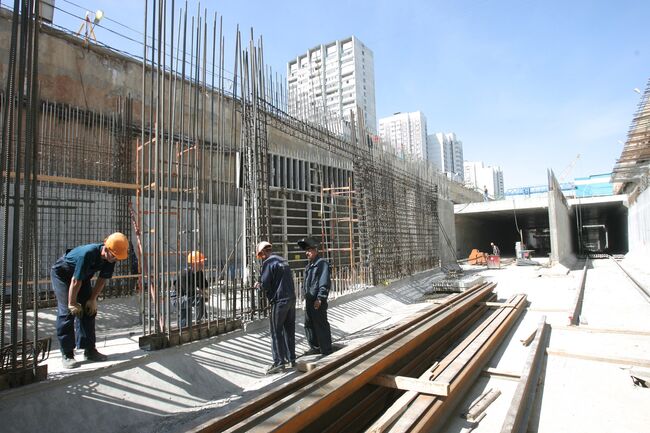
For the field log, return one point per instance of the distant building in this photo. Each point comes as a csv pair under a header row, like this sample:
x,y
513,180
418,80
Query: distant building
x,y
481,177
594,185
331,80
445,151
406,133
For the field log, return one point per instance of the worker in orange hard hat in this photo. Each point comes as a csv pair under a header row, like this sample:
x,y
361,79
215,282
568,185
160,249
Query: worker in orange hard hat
x,y
189,289
77,299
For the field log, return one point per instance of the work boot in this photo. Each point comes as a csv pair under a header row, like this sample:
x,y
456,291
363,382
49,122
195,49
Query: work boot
x,y
290,364
68,361
93,355
312,351
275,369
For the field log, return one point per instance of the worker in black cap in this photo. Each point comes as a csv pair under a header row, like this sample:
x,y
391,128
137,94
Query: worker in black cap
x,y
316,288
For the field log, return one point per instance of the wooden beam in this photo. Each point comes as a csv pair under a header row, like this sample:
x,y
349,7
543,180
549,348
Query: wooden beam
x,y
602,330
478,407
607,359
526,341
412,384
77,181
501,373
500,304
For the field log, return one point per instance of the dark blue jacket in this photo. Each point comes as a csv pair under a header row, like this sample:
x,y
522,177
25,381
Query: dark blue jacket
x,y
82,263
317,279
277,279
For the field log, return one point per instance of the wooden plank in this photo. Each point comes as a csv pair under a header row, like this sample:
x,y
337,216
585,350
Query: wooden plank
x,y
77,181
526,341
478,407
405,383
500,304
516,420
501,373
606,359
603,330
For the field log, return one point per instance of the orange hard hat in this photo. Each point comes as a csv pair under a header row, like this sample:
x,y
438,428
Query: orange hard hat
x,y
118,245
195,257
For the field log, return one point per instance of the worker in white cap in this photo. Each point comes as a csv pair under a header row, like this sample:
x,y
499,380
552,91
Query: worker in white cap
x,y
277,283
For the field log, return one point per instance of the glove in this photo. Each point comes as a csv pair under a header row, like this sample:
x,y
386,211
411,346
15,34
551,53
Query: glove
x,y
91,307
76,309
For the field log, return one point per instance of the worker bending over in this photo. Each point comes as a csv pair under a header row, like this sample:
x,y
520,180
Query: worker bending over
x,y
77,299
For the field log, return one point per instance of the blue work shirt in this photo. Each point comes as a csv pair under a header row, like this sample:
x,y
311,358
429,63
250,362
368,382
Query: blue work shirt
x,y
83,262
317,279
277,279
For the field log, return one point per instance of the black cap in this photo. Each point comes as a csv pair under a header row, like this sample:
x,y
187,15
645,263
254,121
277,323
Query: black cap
x,y
306,243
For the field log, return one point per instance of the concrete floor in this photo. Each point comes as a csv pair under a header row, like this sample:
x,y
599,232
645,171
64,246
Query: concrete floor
x,y
173,389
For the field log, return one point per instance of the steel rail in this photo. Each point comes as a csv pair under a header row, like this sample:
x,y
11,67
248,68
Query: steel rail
x,y
644,291
320,390
428,413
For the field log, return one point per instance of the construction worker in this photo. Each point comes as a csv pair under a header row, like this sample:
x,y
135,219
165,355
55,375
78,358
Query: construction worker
x,y
316,288
77,299
190,286
277,283
495,249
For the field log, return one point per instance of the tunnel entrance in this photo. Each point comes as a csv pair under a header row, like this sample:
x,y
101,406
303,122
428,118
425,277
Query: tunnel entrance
x,y
504,227
599,225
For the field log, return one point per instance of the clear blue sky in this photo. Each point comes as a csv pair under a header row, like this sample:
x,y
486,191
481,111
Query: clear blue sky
x,y
526,85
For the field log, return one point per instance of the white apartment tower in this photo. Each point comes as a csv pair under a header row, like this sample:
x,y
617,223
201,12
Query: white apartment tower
x,y
445,152
478,176
330,81
406,133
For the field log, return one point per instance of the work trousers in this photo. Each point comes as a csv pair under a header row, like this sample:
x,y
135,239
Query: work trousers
x,y
71,330
317,328
186,304
283,331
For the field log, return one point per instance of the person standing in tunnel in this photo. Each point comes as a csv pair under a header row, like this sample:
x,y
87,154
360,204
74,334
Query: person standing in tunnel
x,y
495,249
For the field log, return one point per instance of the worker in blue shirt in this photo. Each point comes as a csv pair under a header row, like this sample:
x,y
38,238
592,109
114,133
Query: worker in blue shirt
x,y
277,283
77,299
316,288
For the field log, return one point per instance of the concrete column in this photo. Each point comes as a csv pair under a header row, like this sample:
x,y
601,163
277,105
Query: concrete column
x,y
447,237
560,225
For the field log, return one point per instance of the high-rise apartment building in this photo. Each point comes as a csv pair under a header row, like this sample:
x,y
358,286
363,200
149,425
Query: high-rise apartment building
x,y
331,80
481,177
406,133
445,151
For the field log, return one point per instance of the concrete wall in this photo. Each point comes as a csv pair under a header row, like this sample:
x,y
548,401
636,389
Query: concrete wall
x,y
639,225
447,237
560,224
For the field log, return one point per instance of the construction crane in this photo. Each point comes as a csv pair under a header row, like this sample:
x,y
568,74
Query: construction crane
x,y
567,171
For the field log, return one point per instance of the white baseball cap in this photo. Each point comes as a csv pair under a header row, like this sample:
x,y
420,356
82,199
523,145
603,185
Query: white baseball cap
x,y
262,245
